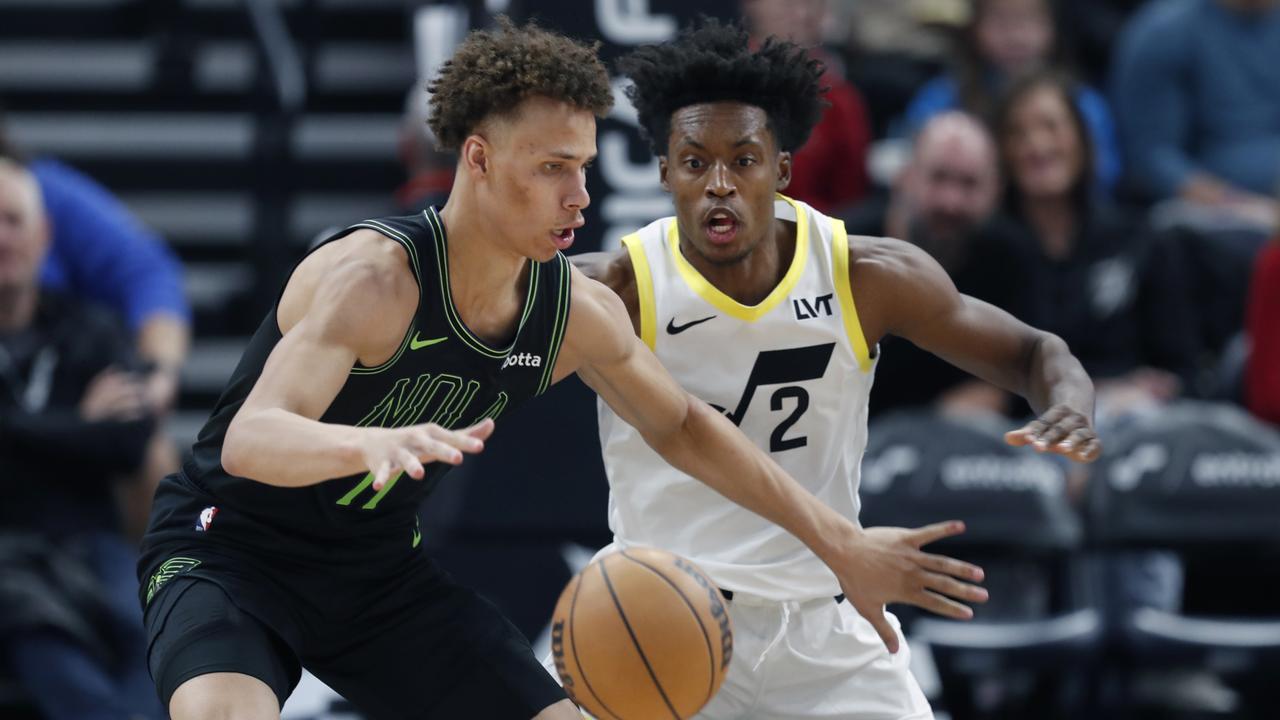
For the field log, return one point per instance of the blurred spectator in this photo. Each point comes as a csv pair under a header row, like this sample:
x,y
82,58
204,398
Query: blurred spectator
x,y
1108,286
101,253
430,171
943,202
1006,40
830,171
892,47
72,415
1197,89
1262,375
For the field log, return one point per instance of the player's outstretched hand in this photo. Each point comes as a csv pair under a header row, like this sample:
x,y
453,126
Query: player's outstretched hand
x,y
885,565
1060,430
388,451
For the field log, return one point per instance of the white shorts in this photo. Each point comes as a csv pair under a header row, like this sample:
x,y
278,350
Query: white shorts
x,y
809,660
813,659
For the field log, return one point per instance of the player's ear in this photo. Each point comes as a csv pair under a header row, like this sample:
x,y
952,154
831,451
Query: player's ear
x,y
662,173
475,154
784,170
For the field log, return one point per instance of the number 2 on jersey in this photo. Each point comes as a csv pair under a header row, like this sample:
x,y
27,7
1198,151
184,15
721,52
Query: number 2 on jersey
x,y
783,367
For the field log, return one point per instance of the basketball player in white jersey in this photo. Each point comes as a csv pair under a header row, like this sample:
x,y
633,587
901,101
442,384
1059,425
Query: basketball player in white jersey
x,y
766,309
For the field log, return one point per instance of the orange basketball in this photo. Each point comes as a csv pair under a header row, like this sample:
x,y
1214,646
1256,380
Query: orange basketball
x,y
641,634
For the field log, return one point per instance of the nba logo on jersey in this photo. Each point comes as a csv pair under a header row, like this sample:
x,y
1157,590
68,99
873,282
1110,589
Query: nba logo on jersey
x,y
206,518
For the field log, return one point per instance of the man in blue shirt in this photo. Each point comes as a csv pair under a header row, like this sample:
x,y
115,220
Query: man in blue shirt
x,y
1197,94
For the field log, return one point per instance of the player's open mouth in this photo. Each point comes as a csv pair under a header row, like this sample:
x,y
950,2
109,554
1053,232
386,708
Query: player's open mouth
x,y
722,227
562,237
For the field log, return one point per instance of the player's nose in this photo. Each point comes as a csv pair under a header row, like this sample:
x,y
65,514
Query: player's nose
x,y
720,181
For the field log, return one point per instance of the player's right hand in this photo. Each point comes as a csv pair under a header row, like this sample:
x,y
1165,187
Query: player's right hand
x,y
888,566
388,451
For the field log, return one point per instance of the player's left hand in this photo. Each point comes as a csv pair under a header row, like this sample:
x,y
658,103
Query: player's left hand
x,y
1061,430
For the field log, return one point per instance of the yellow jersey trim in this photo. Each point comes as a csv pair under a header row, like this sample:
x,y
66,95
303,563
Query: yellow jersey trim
x,y
644,290
726,304
844,291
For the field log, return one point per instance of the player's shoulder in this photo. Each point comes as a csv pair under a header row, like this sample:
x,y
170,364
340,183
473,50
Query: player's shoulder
x,y
365,261
597,316
362,280
885,258
613,269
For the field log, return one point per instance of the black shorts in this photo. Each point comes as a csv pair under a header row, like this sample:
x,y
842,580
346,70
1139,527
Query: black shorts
x,y
414,645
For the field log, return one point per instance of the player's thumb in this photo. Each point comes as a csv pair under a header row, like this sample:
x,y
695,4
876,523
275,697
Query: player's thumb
x,y
883,627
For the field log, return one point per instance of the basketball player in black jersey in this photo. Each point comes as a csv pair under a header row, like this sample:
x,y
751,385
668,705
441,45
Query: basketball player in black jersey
x,y
290,538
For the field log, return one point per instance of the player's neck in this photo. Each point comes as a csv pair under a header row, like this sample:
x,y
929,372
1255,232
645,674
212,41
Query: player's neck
x,y
484,275
17,307
751,279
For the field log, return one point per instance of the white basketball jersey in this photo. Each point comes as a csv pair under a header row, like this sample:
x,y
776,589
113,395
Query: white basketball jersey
x,y
793,372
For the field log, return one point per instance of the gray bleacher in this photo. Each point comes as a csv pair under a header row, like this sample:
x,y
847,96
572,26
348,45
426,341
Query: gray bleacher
x,y
171,104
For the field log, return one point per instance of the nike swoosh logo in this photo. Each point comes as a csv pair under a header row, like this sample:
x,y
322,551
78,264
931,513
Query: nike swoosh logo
x,y
673,329
416,344
417,538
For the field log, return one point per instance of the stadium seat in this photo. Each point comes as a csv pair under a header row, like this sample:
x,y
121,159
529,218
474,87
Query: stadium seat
x,y
1042,618
1203,480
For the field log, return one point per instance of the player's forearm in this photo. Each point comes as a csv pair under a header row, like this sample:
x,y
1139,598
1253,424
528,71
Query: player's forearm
x,y
278,447
1056,377
709,448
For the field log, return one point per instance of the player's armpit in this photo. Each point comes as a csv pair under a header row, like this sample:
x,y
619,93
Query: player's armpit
x,y
601,346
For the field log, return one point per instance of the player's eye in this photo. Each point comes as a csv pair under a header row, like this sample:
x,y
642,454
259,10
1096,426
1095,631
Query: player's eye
x,y
746,161
551,167
693,163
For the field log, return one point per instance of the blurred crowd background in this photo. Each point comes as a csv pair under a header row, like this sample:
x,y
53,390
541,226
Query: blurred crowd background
x,y
1108,170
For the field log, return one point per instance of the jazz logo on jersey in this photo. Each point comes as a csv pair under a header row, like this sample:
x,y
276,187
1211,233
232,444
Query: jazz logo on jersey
x,y
808,309
786,368
206,518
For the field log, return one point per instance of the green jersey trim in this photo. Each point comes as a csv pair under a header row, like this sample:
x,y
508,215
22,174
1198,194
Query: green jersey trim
x,y
562,317
393,234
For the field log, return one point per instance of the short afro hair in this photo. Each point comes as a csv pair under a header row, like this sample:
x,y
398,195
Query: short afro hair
x,y
493,71
713,62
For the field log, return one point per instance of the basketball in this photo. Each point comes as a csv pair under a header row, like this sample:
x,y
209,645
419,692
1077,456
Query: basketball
x,y
641,634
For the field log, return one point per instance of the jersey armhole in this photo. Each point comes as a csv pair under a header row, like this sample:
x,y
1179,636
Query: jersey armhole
x,y
564,284
844,291
644,290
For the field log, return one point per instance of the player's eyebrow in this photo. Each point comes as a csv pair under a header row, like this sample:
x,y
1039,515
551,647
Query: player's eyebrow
x,y
565,155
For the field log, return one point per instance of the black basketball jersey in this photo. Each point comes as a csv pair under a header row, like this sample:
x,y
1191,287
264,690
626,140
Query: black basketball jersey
x,y
441,373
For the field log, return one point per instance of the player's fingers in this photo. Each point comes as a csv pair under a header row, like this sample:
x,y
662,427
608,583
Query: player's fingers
x,y
935,532
1089,451
381,474
1076,438
454,438
429,449
951,566
938,605
951,587
1024,435
1059,431
412,466
481,430
884,629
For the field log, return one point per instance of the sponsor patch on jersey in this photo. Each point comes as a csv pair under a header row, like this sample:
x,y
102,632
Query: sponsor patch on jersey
x,y
206,518
810,308
522,360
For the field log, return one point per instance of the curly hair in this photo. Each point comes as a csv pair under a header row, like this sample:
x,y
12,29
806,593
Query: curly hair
x,y
493,71
714,62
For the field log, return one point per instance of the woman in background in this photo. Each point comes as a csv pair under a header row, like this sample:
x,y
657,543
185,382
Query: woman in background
x,y
1006,40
